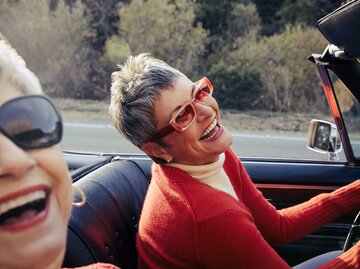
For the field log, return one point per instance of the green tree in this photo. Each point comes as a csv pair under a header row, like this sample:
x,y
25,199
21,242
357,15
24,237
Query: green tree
x,y
102,17
213,14
289,81
305,11
275,14
90,65
29,27
87,73
243,21
216,17
267,11
239,85
165,29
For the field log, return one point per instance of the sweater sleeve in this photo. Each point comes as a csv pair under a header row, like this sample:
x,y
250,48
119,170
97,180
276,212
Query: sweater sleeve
x,y
283,226
286,225
348,260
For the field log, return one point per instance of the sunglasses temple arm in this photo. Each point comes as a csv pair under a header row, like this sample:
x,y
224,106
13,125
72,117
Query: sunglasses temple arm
x,y
161,133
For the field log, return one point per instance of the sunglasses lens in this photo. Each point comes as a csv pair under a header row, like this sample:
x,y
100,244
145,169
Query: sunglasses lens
x,y
185,116
203,93
31,122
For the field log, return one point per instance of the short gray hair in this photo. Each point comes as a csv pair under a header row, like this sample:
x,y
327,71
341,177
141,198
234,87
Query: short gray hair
x,y
134,90
13,70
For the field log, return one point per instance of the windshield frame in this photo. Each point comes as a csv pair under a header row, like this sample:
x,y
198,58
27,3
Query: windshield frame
x,y
345,71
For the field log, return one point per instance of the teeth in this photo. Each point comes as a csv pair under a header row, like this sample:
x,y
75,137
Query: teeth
x,y
20,201
210,128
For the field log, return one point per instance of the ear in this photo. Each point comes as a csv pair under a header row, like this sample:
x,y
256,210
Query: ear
x,y
157,151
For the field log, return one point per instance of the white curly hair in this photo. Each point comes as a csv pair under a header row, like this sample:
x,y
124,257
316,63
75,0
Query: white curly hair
x,y
13,70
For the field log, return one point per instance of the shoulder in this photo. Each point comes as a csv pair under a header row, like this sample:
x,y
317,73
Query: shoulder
x,y
232,161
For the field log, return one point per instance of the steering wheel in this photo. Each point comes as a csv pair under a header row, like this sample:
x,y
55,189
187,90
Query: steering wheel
x,y
353,233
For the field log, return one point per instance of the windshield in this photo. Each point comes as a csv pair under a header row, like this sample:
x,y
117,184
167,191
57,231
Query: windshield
x,y
350,110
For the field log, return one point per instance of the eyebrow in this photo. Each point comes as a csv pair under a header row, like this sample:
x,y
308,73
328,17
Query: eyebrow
x,y
178,107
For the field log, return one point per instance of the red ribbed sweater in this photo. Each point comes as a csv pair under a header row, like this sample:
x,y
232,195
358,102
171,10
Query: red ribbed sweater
x,y
97,266
188,224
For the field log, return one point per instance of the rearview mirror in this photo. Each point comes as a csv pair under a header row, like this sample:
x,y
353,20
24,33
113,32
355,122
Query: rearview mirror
x,y
323,137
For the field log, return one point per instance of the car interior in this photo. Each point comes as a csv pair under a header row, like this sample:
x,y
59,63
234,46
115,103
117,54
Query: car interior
x,y
104,229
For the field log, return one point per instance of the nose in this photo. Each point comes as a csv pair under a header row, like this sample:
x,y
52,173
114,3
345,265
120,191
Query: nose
x,y
14,161
203,111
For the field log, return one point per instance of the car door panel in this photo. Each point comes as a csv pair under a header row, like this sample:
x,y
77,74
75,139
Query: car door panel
x,y
289,183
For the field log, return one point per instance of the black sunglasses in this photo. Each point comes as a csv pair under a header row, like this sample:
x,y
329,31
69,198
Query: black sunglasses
x,y
31,121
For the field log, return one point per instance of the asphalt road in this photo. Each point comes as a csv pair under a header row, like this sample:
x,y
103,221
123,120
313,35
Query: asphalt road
x,y
104,138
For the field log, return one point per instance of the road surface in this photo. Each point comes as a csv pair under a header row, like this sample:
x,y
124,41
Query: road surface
x,y
104,138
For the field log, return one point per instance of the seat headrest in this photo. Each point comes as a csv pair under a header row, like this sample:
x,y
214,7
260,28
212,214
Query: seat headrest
x,y
104,229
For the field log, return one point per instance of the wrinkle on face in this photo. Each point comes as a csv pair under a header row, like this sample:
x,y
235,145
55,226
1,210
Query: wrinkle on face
x,y
186,147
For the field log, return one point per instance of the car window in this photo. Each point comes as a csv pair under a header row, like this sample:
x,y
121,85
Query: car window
x,y
276,134
267,89
350,110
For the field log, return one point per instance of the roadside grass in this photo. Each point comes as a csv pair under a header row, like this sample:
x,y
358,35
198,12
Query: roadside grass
x,y
87,111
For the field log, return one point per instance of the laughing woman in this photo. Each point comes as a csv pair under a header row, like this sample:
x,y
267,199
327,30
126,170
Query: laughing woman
x,y
202,209
35,187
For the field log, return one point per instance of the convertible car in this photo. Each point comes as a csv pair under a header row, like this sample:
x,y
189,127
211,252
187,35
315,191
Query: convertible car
x,y
104,229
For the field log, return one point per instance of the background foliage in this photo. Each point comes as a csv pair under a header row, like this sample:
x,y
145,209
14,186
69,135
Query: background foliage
x,y
255,52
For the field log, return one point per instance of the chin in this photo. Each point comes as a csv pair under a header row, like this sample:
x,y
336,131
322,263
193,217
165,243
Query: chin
x,y
49,240
44,262
46,252
226,140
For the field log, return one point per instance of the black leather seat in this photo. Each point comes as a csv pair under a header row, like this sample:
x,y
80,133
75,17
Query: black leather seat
x,y
104,229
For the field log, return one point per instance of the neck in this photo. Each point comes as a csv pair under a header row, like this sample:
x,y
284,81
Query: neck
x,y
57,262
202,171
44,264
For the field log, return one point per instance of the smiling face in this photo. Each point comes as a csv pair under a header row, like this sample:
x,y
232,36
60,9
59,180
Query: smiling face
x,y
204,140
35,202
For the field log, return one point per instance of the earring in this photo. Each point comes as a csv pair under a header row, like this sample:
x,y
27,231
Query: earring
x,y
83,197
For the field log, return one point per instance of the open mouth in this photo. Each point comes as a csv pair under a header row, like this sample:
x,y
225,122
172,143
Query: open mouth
x,y
23,209
211,130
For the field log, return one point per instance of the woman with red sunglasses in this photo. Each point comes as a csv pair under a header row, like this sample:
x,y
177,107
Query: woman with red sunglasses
x,y
202,209
35,186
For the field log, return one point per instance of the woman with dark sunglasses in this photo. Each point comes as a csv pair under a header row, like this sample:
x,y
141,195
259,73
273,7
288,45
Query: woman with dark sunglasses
x,y
202,209
35,186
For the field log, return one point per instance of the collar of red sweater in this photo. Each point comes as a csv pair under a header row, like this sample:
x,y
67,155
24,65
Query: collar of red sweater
x,y
202,172
231,167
